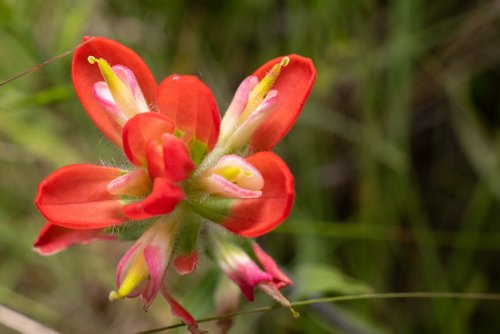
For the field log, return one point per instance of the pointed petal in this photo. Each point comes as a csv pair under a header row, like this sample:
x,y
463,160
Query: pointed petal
x,y
127,76
157,262
190,103
238,266
76,196
142,268
120,94
237,106
274,292
254,121
131,273
125,261
181,313
53,239
140,130
85,75
247,276
254,217
103,95
294,85
280,280
162,200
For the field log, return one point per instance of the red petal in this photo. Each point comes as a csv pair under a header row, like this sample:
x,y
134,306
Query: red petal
x,y
185,263
139,130
181,313
247,276
294,85
157,263
76,196
162,200
53,239
85,75
154,157
254,217
190,103
279,278
169,159
178,164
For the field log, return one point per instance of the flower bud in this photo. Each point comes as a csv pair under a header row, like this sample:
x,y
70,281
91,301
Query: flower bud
x,y
142,268
233,177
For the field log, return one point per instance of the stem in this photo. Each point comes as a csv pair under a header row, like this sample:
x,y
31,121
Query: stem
x,y
365,296
47,62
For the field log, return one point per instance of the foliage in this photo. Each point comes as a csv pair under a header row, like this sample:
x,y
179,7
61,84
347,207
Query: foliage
x,y
396,155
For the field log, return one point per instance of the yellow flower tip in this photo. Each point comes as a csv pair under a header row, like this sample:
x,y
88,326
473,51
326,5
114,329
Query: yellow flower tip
x,y
285,61
92,59
113,295
101,62
122,94
268,81
295,314
105,68
258,94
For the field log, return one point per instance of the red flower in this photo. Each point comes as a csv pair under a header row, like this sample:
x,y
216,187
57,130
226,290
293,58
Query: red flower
x,y
185,166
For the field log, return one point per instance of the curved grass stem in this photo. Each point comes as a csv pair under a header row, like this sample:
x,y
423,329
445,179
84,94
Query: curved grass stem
x,y
336,299
47,62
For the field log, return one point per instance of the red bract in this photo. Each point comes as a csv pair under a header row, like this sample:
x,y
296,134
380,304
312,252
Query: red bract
x,y
186,167
191,105
76,196
255,217
85,75
294,85
53,238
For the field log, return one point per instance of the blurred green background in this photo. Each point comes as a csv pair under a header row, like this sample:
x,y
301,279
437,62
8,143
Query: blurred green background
x,y
396,156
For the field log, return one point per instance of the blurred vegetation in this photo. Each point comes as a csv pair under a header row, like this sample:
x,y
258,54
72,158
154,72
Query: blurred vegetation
x,y
396,156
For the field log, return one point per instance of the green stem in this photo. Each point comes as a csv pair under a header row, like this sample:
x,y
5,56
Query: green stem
x,y
365,296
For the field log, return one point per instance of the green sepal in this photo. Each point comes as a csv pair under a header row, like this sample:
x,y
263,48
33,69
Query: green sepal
x,y
130,231
214,209
187,233
197,149
178,133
